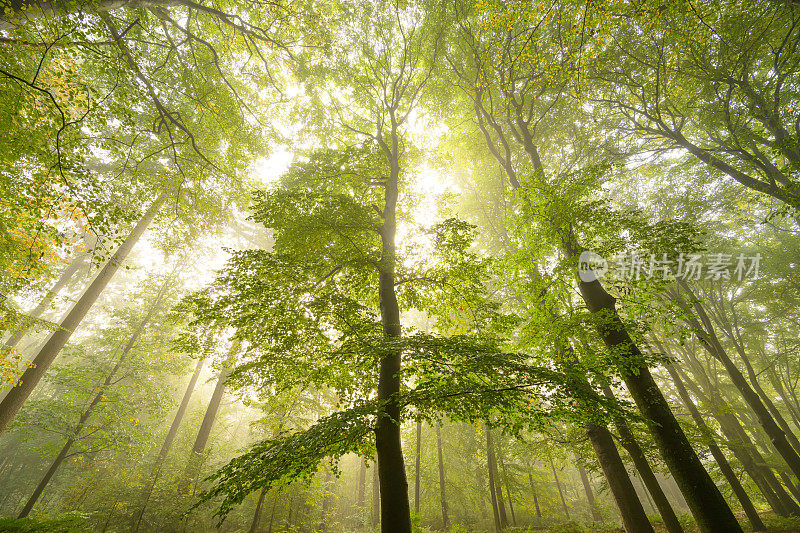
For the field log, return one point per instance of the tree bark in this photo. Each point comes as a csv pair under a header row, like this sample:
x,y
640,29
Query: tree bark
x,y
558,485
65,277
709,508
204,432
165,447
535,499
17,396
703,329
257,513
628,441
87,413
445,518
498,524
587,488
395,509
376,496
719,457
416,471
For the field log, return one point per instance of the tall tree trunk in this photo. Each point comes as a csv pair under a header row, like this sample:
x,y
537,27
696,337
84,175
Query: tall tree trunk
x,y
95,401
704,330
709,508
558,486
165,447
716,453
362,483
506,480
395,509
65,277
498,524
634,518
416,470
272,513
639,459
737,439
291,508
445,518
257,513
535,499
16,397
777,384
587,488
205,430
179,414
494,473
376,496
50,472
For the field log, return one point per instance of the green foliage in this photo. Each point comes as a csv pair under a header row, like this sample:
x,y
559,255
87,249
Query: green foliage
x,y
68,523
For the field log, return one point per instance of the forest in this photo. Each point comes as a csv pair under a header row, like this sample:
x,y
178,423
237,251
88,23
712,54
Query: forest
x,y
353,266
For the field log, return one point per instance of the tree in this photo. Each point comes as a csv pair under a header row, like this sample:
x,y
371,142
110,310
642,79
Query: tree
x,y
511,99
715,81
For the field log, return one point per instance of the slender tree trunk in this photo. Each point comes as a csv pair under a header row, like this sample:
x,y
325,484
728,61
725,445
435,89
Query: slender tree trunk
x,y
535,499
639,459
587,487
445,518
95,401
65,277
506,481
701,325
291,508
395,509
48,475
787,480
777,384
257,513
165,447
498,524
709,508
738,440
558,485
376,496
16,397
416,471
362,483
272,513
719,457
634,518
205,430
494,472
